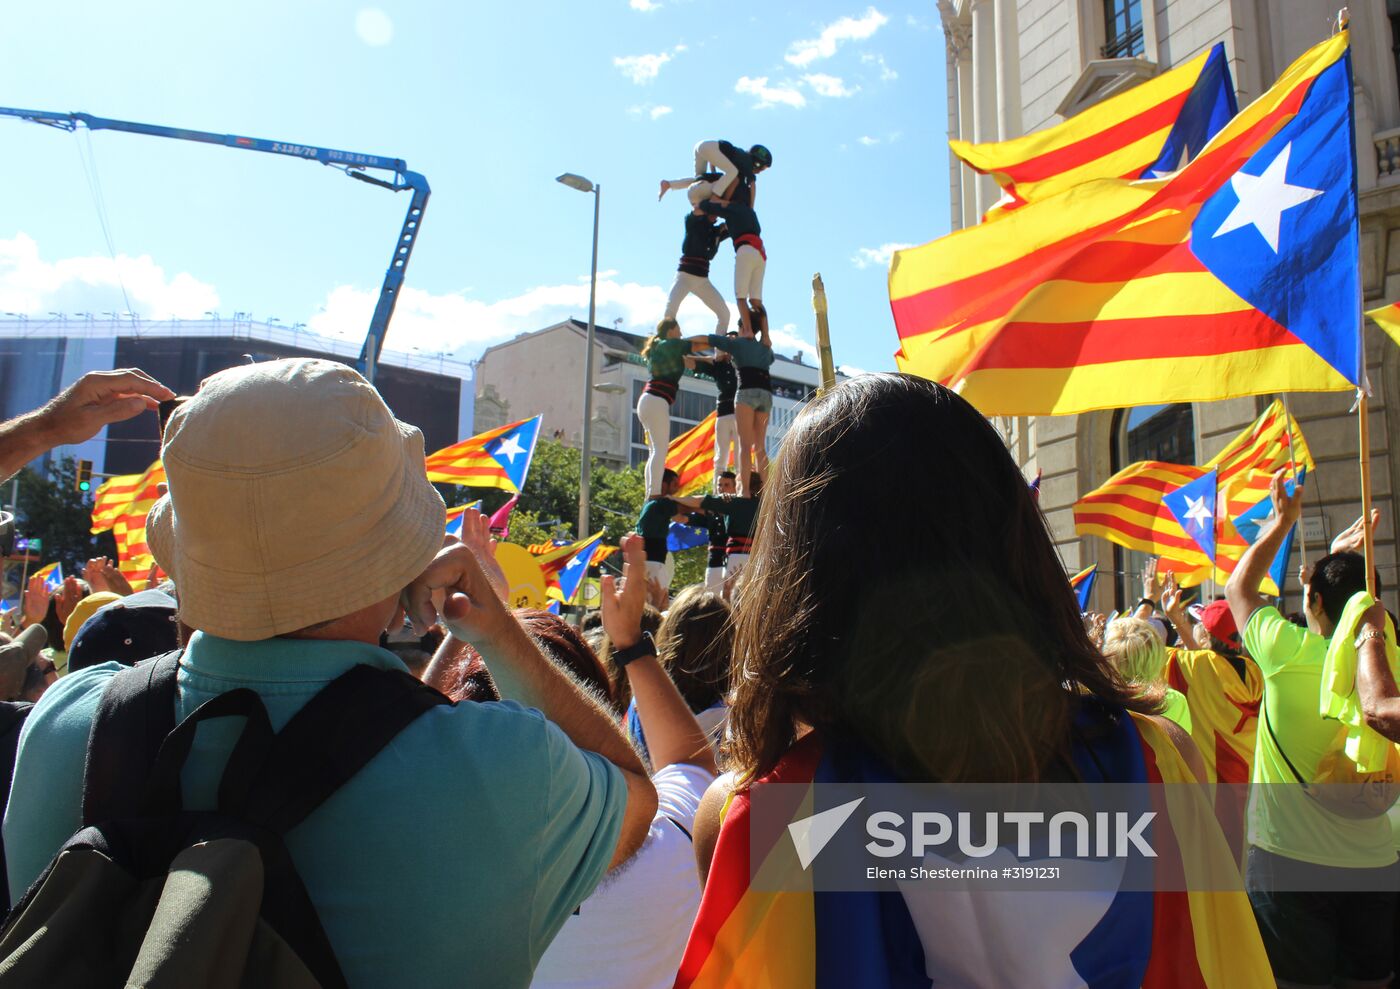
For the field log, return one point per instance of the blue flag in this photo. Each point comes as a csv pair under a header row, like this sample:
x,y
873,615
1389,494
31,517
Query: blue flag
x,y
1209,107
681,536
1193,505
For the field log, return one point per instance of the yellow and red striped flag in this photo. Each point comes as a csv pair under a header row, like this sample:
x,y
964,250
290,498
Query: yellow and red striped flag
x,y
692,456
497,458
1128,508
1388,319
1119,293
113,498
1148,131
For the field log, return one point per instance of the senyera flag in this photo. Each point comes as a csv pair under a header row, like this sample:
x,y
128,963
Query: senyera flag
x,y
1231,277
1388,319
121,504
692,456
497,458
1130,508
1148,131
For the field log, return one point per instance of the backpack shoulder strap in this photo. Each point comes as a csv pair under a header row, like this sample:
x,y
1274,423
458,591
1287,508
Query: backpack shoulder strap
x,y
331,739
135,713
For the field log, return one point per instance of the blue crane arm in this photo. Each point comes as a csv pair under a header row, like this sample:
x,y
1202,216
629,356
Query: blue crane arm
x,y
352,163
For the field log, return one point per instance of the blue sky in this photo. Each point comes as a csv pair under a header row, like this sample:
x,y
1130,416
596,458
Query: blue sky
x,y
490,102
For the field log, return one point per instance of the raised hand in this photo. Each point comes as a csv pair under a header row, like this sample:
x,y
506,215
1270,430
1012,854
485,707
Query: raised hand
x,y
36,601
98,399
94,575
1353,539
476,535
67,597
623,603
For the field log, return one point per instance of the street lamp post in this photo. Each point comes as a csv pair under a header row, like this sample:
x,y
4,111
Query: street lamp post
x,y
585,459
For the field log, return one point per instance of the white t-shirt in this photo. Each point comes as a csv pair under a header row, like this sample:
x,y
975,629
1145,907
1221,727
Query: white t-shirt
x,y
631,933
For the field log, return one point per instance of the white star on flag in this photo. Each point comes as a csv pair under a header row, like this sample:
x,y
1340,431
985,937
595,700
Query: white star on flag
x,y
510,446
1264,199
1197,511
574,562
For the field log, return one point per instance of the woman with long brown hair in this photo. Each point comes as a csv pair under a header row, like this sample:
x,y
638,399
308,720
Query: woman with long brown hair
x,y
905,617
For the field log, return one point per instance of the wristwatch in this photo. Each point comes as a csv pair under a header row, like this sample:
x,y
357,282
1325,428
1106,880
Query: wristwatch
x,y
1147,601
645,646
1370,633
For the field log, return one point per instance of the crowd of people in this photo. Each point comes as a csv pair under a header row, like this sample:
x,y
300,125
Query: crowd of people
x,y
333,694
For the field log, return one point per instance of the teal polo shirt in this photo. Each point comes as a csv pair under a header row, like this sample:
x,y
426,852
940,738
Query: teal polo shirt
x,y
451,859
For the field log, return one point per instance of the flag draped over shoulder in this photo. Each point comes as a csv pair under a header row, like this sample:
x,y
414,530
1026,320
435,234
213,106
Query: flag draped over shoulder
x,y
692,456
1130,508
121,505
497,458
1148,131
1221,280
762,926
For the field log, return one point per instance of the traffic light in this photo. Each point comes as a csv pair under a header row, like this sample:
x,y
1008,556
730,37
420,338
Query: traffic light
x,y
83,480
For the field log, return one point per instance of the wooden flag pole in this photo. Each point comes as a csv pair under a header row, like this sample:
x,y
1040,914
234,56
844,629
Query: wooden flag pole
x,y
1293,470
1363,412
828,367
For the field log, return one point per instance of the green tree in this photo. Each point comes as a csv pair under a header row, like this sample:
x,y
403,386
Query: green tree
x,y
51,508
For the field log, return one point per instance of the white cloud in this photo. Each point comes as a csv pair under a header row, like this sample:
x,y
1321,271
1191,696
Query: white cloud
x,y
851,371
868,257
642,69
787,341
825,85
649,110
464,327
645,6
657,112
783,94
887,74
802,53
867,140
31,285
374,27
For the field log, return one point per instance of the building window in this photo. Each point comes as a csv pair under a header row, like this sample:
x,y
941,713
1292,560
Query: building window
x,y
1149,432
1122,28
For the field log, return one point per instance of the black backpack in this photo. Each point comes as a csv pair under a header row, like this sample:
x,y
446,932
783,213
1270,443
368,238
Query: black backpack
x,y
150,894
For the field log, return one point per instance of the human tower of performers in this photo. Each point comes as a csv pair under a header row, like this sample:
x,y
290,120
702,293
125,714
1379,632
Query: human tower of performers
x,y
722,193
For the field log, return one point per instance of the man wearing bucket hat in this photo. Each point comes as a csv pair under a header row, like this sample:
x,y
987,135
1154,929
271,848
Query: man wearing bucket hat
x,y
299,520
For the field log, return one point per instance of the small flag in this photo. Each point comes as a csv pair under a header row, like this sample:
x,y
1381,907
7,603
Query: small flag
x,y
52,575
1083,585
681,536
1193,505
500,520
454,517
553,607
542,549
692,456
497,458
1251,523
565,568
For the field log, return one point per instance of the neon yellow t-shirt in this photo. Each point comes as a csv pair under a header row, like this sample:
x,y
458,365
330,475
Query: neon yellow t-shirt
x,y
1175,708
1282,817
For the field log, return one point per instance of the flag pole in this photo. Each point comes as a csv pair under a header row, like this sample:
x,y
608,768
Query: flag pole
x,y
828,367
1363,412
1293,470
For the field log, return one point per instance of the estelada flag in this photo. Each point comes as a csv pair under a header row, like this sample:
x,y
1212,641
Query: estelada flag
x,y
497,458
565,568
454,517
1148,131
1231,277
1082,584
762,924
1128,508
692,456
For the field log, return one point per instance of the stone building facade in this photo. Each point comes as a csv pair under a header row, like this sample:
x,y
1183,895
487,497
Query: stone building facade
x,y
1015,66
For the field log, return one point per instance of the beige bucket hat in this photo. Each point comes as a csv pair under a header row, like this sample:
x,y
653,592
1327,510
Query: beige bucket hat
x,y
295,498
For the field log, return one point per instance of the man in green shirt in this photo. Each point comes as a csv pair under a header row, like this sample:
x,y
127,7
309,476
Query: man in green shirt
x,y
1323,886
654,522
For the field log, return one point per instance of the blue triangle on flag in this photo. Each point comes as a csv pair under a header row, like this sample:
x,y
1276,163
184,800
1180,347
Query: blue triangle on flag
x,y
55,578
1193,505
513,450
1251,522
571,576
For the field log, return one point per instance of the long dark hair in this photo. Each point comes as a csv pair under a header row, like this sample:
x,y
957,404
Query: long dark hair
x,y
695,643
904,591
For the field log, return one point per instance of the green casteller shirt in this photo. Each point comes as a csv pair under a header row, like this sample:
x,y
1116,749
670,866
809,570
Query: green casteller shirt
x,y
1281,817
655,520
741,512
451,859
746,351
666,359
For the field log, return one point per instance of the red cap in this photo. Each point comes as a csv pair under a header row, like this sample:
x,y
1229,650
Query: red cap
x,y
1219,621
